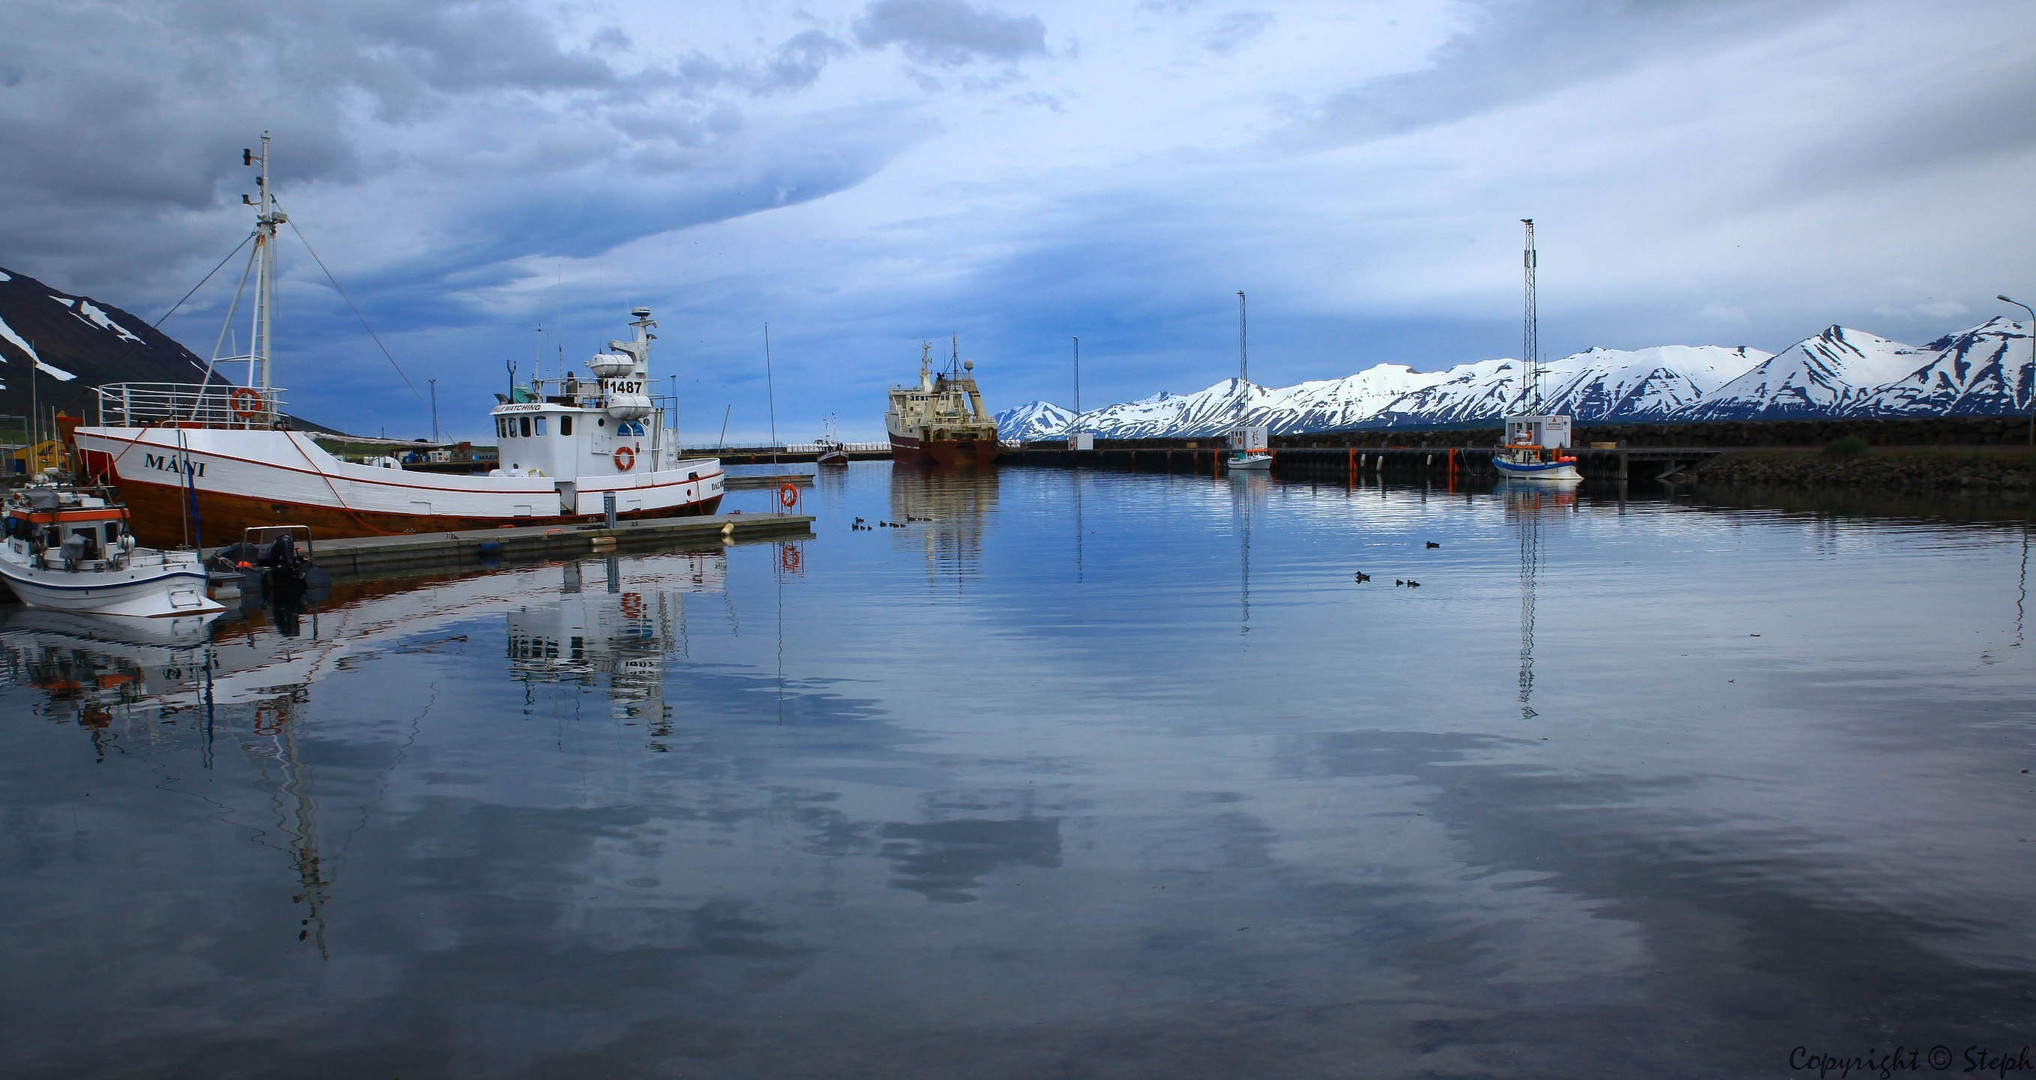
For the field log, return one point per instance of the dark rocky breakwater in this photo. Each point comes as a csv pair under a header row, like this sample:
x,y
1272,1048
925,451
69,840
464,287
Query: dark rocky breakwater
x,y
1999,470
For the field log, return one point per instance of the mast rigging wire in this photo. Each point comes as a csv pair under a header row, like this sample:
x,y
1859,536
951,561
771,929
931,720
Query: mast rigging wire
x,y
201,281
357,314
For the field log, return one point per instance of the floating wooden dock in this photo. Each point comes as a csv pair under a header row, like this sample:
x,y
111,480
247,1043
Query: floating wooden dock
x,y
770,482
372,556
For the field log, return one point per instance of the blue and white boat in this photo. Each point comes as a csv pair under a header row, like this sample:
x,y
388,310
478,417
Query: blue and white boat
x,y
1536,441
1535,448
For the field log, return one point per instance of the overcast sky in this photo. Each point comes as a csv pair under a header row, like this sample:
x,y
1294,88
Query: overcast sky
x,y
863,176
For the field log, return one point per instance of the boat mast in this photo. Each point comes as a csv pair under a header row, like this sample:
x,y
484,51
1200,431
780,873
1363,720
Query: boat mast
x,y
267,217
1530,337
1243,367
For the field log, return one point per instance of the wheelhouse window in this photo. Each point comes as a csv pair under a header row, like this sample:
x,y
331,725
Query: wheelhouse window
x,y
523,422
565,425
540,426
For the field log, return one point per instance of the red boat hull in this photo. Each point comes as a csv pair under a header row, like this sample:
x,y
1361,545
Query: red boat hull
x,y
222,518
906,450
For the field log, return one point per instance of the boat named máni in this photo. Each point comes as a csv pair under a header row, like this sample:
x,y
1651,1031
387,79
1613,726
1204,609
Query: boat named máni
x,y
221,457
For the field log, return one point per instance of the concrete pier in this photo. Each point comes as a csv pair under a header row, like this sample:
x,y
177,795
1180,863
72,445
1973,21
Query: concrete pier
x,y
372,556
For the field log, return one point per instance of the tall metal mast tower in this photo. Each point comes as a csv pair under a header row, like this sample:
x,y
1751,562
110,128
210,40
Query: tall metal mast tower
x,y
1530,343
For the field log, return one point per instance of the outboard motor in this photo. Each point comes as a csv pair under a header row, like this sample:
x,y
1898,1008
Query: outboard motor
x,y
282,561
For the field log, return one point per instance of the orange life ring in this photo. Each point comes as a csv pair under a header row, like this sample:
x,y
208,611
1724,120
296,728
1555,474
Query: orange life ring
x,y
245,401
625,458
788,496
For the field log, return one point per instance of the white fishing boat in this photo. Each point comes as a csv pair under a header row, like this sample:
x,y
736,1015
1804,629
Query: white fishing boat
x,y
1248,444
71,551
216,458
1535,441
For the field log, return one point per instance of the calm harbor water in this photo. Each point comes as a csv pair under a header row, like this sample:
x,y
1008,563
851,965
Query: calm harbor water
x,y
1089,774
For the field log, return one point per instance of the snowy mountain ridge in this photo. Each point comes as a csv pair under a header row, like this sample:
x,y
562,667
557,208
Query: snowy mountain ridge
x,y
1986,370
68,344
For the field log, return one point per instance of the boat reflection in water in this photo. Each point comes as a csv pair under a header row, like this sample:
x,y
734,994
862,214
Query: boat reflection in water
x,y
1530,507
619,635
945,512
95,668
246,682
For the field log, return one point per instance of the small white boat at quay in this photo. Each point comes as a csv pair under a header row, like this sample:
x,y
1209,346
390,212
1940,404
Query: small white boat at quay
x,y
1248,444
70,551
1535,443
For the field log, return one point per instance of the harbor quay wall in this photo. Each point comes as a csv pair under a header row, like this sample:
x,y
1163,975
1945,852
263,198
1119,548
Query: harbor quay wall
x,y
1940,452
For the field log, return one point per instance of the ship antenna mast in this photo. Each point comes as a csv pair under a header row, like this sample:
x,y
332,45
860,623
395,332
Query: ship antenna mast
x,y
262,334
1530,337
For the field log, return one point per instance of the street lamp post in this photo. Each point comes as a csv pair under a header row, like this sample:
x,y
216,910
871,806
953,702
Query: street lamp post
x,y
2032,361
434,409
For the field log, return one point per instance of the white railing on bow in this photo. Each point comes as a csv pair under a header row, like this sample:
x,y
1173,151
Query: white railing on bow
x,y
200,405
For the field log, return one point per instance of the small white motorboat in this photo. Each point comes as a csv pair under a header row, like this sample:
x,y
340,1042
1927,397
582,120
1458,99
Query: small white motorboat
x,y
71,551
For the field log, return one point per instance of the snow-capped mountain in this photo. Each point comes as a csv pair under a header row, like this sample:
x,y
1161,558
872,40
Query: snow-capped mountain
x,y
1599,384
1985,371
1033,420
1205,412
1839,372
1826,375
1643,384
74,343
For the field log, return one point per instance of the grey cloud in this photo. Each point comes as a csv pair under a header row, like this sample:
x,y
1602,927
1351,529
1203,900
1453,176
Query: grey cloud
x,y
1237,30
1523,49
795,65
128,121
949,32
1926,126
799,60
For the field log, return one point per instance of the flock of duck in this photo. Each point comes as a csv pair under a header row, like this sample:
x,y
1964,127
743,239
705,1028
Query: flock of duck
x,y
1361,577
859,525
